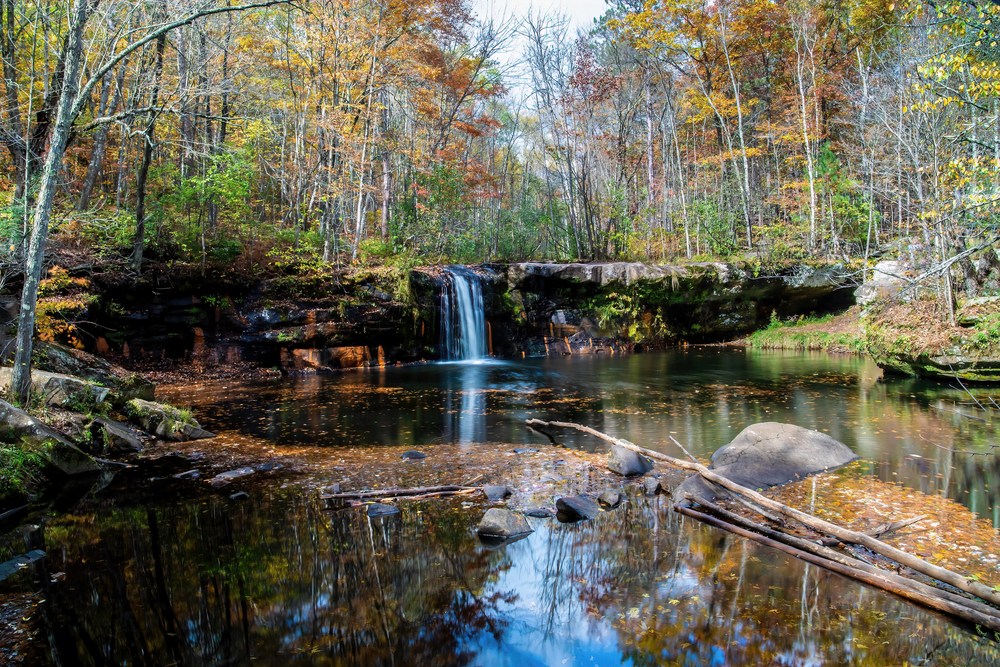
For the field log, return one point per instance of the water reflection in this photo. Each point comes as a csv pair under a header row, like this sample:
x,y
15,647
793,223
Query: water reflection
x,y
278,581
908,431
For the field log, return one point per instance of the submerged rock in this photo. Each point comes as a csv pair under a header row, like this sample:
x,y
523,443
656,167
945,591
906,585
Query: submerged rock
x,y
610,498
58,452
540,512
224,478
769,454
652,486
378,509
503,523
626,462
576,508
495,492
413,455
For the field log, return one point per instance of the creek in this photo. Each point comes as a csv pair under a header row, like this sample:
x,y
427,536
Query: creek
x,y
199,579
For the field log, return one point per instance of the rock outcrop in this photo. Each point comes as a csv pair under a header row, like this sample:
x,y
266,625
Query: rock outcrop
x,y
60,390
58,452
165,421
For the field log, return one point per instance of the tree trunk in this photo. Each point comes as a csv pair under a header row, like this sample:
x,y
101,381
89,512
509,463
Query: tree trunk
x,y
101,139
147,158
21,381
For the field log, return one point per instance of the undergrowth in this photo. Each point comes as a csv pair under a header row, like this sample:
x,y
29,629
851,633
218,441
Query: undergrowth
x,y
807,333
20,471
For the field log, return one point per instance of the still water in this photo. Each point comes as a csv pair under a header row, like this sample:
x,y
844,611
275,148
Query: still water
x,y
277,580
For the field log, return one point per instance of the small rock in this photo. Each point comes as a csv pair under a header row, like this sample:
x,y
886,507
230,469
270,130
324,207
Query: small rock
x,y
610,498
413,455
219,483
187,474
239,495
235,474
499,522
576,508
332,489
652,486
377,509
540,512
525,450
496,492
626,462
269,466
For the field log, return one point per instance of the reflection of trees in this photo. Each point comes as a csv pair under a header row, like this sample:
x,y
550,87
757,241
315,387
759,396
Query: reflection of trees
x,y
283,583
276,581
679,595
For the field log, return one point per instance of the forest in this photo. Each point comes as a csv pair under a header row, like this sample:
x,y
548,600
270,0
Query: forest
x,y
202,131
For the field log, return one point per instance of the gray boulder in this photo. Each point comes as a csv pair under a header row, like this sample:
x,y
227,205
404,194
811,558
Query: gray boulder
x,y
48,443
499,522
770,454
626,462
117,437
576,508
165,421
63,391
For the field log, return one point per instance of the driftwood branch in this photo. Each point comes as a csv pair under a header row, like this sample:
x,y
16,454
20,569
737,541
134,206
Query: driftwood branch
x,y
843,534
868,574
848,561
881,531
399,493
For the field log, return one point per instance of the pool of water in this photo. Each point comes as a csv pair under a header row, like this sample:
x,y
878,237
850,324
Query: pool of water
x,y
278,580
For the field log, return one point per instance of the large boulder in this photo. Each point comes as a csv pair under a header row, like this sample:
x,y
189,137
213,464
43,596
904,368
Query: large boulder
x,y
626,462
165,421
769,454
64,391
58,452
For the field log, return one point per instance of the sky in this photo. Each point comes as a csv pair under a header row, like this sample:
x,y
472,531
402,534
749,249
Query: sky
x,y
581,15
581,12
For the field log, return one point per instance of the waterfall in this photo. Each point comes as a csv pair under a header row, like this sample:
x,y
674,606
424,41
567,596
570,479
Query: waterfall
x,y
463,322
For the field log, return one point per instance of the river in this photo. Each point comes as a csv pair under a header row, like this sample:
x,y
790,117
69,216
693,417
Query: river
x,y
275,579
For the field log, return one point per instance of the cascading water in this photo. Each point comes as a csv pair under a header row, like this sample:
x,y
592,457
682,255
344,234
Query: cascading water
x,y
463,322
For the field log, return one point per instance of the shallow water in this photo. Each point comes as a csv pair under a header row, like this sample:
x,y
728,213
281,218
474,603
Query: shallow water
x,y
276,579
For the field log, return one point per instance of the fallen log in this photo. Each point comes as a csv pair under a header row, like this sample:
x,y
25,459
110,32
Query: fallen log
x,y
877,579
398,493
843,534
830,554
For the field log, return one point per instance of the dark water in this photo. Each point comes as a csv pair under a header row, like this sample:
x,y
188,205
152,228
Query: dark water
x,y
276,580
